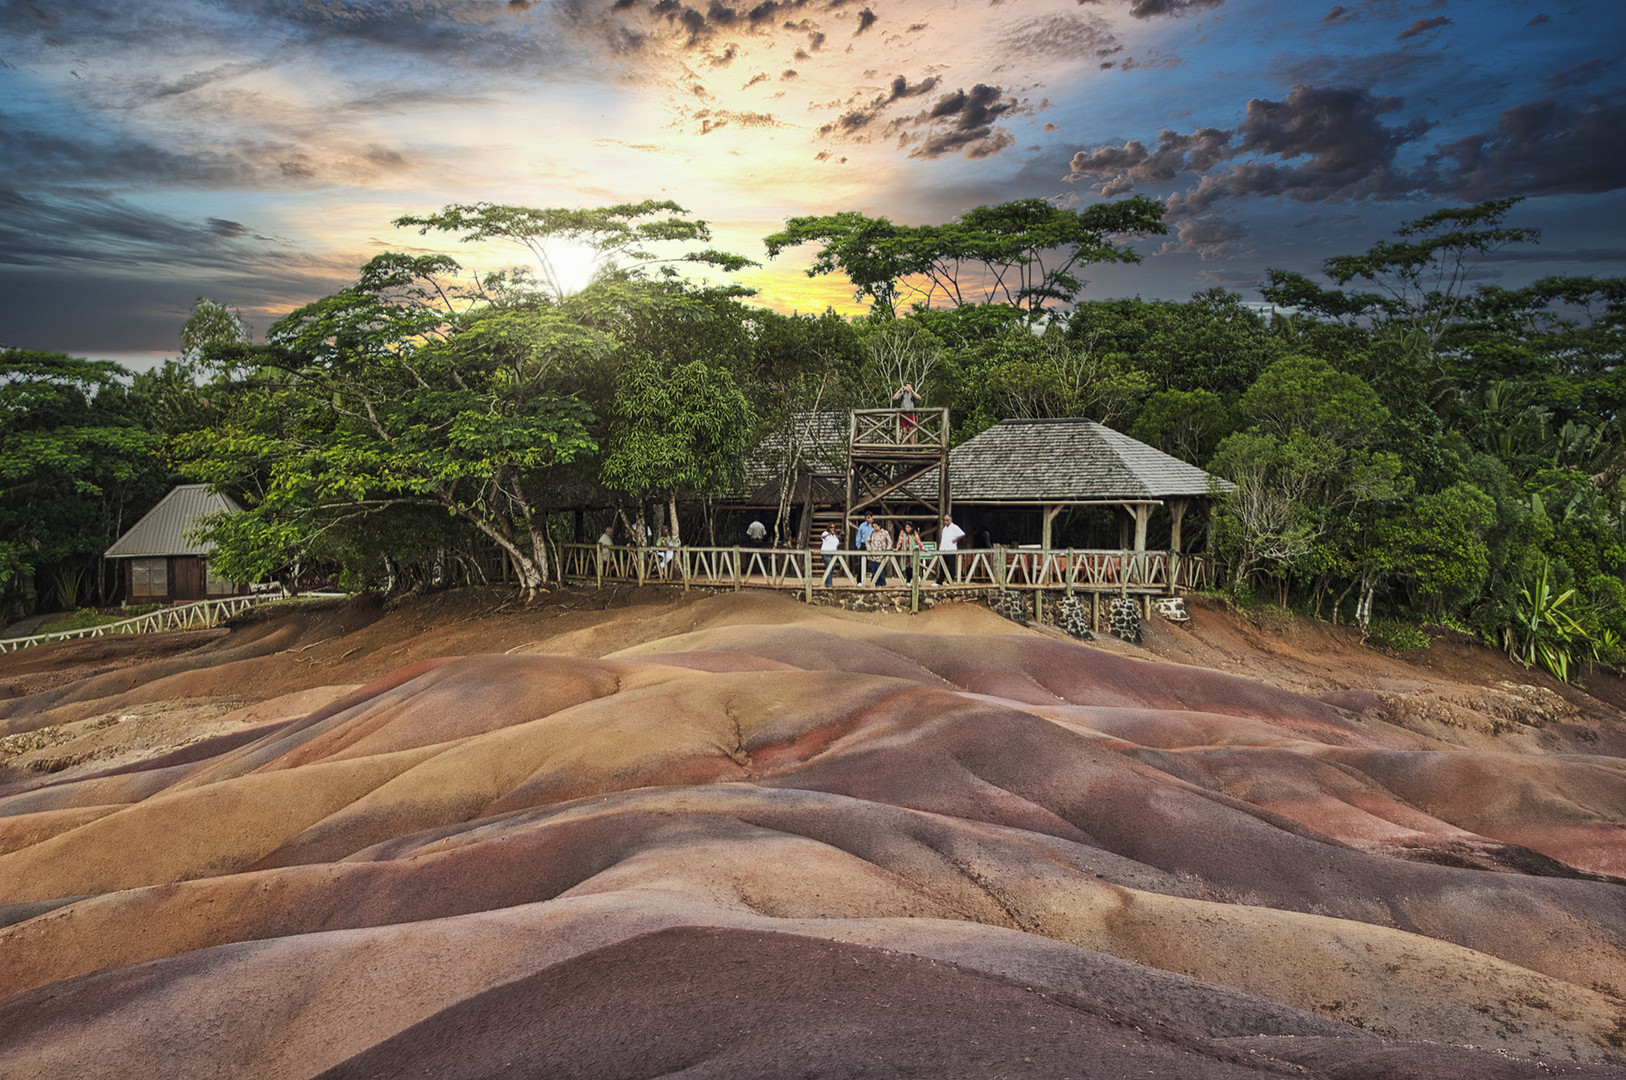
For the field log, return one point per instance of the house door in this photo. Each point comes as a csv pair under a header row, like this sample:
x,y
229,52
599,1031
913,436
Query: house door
x,y
186,578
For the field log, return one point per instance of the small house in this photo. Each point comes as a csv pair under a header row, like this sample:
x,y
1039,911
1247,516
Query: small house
x,y
162,560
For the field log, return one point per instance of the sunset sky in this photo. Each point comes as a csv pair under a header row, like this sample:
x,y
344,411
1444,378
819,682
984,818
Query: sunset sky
x,y
152,151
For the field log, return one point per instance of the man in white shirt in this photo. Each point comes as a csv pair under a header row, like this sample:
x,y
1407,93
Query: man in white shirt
x,y
828,545
756,531
949,540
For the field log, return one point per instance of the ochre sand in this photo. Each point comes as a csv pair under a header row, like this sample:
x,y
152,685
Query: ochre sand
x,y
739,836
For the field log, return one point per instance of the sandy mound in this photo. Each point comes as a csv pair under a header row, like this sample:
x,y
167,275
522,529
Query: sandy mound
x,y
740,836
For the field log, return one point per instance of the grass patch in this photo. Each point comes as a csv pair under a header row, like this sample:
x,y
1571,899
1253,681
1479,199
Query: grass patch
x,y
1399,636
85,618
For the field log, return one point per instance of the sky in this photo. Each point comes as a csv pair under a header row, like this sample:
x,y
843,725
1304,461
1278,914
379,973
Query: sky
x,y
255,152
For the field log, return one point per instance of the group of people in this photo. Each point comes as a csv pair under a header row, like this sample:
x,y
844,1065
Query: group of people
x,y
876,539
664,541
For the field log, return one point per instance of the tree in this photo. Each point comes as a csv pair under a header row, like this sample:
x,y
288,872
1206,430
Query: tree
x,y
1186,423
1210,342
618,238
1021,255
1304,475
1421,279
1023,375
411,390
213,334
75,459
684,427
374,399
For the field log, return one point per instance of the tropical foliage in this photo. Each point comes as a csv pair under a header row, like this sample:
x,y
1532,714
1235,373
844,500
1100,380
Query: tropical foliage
x,y
1407,441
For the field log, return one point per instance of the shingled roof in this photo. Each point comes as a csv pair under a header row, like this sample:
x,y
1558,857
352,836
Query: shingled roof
x,y
166,528
823,439
1069,460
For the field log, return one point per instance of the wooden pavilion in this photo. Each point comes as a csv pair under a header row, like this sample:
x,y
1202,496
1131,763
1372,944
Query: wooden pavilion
x,y
1048,466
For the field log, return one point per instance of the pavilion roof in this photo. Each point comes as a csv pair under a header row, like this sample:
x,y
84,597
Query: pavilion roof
x,y
1068,460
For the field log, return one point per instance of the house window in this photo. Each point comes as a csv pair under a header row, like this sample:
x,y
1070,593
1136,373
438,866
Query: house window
x,y
217,585
149,578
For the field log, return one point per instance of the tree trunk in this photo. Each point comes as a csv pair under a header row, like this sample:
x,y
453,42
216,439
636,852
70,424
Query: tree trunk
x,y
671,510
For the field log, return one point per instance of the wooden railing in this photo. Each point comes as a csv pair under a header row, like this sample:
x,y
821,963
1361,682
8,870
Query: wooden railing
x,y
1028,569
197,615
894,429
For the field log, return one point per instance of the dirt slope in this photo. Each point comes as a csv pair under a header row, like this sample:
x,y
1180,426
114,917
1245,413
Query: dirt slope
x,y
644,834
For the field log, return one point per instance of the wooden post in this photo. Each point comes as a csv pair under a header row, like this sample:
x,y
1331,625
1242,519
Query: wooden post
x,y
1038,605
640,554
807,592
683,566
914,581
999,567
1095,612
736,568
598,550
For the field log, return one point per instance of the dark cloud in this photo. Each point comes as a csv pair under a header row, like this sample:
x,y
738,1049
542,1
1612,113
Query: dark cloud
x,y
960,122
198,79
1337,15
1151,9
963,123
859,118
1316,145
713,119
85,226
1175,154
1323,145
866,19
1580,74
1207,236
1423,26
1538,20
1544,147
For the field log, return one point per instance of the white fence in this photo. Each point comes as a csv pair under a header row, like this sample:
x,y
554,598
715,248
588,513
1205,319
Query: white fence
x,y
202,613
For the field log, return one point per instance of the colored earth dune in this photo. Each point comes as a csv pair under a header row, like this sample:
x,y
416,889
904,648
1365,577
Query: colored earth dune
x,y
737,836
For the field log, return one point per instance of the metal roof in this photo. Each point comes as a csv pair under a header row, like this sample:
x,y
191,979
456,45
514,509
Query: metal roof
x,y
166,529
1068,460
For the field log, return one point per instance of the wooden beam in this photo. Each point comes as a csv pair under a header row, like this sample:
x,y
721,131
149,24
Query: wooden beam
x,y
1048,520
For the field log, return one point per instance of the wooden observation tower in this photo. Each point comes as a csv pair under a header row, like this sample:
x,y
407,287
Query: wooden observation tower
x,y
897,467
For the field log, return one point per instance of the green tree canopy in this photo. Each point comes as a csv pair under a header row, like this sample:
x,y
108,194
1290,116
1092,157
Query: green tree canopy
x,y
75,459
1023,255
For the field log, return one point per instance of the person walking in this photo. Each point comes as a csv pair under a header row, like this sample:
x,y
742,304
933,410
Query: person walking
x,y
756,532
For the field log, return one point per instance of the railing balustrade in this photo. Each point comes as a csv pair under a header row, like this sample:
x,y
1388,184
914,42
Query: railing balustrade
x,y
1032,569
195,615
